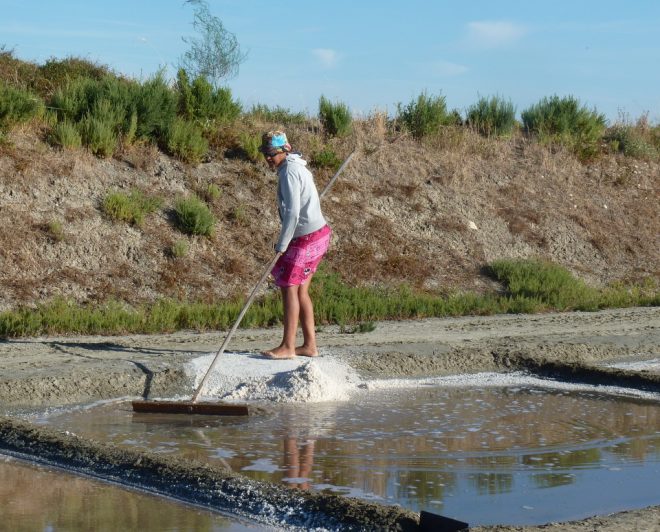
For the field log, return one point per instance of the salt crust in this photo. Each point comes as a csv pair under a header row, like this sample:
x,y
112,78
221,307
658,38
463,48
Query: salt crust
x,y
241,376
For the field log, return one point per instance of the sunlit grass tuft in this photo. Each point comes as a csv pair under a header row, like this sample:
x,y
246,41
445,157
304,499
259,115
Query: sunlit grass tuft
x,y
131,207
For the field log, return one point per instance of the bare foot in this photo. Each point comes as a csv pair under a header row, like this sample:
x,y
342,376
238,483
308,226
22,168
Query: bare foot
x,y
304,351
279,353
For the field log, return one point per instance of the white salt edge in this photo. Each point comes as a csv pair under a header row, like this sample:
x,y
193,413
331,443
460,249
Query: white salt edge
x,y
241,376
639,365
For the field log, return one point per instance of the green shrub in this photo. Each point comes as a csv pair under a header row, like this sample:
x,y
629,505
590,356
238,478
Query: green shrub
x,y
239,215
130,129
326,158
185,141
454,118
58,72
179,249
55,231
550,284
72,100
250,145
211,193
113,101
134,110
108,97
98,136
565,121
49,118
201,102
132,207
108,111
631,141
185,100
654,137
65,135
18,106
492,116
156,106
335,117
425,115
214,106
194,217
15,72
278,115
104,111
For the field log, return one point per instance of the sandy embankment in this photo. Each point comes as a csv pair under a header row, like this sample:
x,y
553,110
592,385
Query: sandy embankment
x,y
40,372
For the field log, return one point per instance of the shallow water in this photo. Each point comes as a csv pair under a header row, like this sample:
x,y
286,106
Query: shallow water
x,y
37,498
513,455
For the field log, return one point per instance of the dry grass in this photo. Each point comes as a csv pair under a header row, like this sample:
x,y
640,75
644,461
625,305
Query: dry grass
x,y
17,241
410,267
32,161
236,266
383,255
169,282
222,139
116,283
356,262
406,190
449,224
141,155
77,214
597,238
522,223
375,128
399,214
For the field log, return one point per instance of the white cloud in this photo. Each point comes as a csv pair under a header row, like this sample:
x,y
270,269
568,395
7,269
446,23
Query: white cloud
x,y
326,56
447,69
491,33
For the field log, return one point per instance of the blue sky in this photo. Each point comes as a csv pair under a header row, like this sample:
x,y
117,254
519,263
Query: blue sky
x,y
372,55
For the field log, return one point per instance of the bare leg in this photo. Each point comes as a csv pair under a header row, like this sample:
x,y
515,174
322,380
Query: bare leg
x,y
306,463
298,467
287,349
291,457
308,348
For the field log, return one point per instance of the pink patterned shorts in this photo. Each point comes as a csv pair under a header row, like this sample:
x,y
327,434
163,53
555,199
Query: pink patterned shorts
x,y
301,258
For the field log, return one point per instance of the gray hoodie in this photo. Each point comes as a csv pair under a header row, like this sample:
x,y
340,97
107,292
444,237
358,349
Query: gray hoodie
x,y
297,201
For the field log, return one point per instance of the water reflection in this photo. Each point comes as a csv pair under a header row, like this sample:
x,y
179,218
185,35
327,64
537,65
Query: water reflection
x,y
489,452
298,461
492,483
34,498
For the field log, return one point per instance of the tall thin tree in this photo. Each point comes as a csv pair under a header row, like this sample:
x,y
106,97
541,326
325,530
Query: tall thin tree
x,y
215,54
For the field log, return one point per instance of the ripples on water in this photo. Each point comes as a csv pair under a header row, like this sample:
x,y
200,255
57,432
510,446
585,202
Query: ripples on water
x,y
515,455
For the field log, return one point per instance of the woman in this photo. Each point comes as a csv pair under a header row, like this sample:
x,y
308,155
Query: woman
x,y
303,240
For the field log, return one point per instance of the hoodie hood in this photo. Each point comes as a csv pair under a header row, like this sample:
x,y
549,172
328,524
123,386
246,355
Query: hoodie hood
x,y
296,158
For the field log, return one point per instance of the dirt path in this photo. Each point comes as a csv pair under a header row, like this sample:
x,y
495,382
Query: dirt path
x,y
38,372
64,370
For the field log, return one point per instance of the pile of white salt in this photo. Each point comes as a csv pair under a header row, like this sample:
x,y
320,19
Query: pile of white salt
x,y
251,377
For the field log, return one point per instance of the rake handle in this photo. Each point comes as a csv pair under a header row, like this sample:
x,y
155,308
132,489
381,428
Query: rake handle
x,y
334,177
271,265
268,269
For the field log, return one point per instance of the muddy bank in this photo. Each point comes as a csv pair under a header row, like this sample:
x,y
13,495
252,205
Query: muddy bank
x,y
42,372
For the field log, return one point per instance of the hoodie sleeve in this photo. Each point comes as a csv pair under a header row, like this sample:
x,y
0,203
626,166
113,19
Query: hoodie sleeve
x,y
289,207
